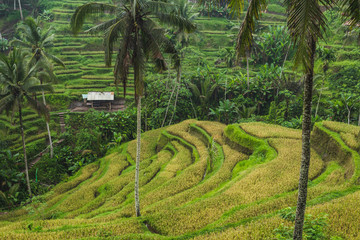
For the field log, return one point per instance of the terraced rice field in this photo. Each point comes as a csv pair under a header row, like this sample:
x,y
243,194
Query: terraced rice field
x,y
85,68
202,180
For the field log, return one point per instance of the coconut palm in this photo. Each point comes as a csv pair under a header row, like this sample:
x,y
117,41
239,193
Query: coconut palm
x,y
18,80
138,37
38,42
184,9
306,24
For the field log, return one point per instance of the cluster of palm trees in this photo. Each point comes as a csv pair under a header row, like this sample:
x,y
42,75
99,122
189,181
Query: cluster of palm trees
x,y
140,38
23,74
136,32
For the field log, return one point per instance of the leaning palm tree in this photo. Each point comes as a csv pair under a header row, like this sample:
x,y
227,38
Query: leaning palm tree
x,y
139,38
18,81
38,42
306,24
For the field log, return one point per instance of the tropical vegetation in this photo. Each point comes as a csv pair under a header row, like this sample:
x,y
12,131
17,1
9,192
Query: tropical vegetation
x,y
230,172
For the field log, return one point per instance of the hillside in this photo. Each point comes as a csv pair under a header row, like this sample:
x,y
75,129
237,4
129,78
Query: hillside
x,y
204,58
202,180
85,70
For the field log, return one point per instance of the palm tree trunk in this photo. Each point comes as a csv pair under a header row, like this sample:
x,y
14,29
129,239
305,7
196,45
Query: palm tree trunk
x,y
138,148
24,149
20,9
48,130
305,156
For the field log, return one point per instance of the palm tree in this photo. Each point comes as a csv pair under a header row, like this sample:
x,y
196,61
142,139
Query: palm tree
x,y
37,42
306,24
138,37
185,11
18,81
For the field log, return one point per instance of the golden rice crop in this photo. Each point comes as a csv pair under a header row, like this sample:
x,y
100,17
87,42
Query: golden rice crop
x,y
342,127
264,130
350,140
177,198
86,193
343,215
178,163
215,129
148,145
84,173
261,229
71,231
277,176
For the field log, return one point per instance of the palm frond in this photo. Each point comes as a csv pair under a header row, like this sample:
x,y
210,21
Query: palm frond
x,y
40,88
236,7
39,107
173,19
19,43
6,102
159,6
152,39
47,34
33,28
352,11
123,59
102,26
306,23
48,41
82,12
112,34
245,35
195,90
54,59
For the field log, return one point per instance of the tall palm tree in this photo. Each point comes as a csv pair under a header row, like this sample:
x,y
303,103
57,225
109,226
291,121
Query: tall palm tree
x,y
18,80
139,38
306,24
38,42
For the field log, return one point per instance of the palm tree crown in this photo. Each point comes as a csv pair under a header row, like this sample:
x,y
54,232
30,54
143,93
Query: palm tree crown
x,y
136,33
36,41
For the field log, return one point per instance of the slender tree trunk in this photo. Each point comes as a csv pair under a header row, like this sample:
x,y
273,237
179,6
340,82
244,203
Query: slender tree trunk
x,y
20,9
177,93
48,130
138,147
14,4
247,68
349,114
283,66
318,103
24,149
359,120
167,108
305,156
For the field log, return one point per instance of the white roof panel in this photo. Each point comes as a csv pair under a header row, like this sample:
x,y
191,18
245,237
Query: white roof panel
x,y
98,96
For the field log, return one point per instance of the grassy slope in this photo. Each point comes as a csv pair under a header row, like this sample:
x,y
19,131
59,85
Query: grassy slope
x,y
201,180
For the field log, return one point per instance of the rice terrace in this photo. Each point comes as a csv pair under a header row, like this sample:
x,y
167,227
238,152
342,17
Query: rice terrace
x,y
202,180
180,119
